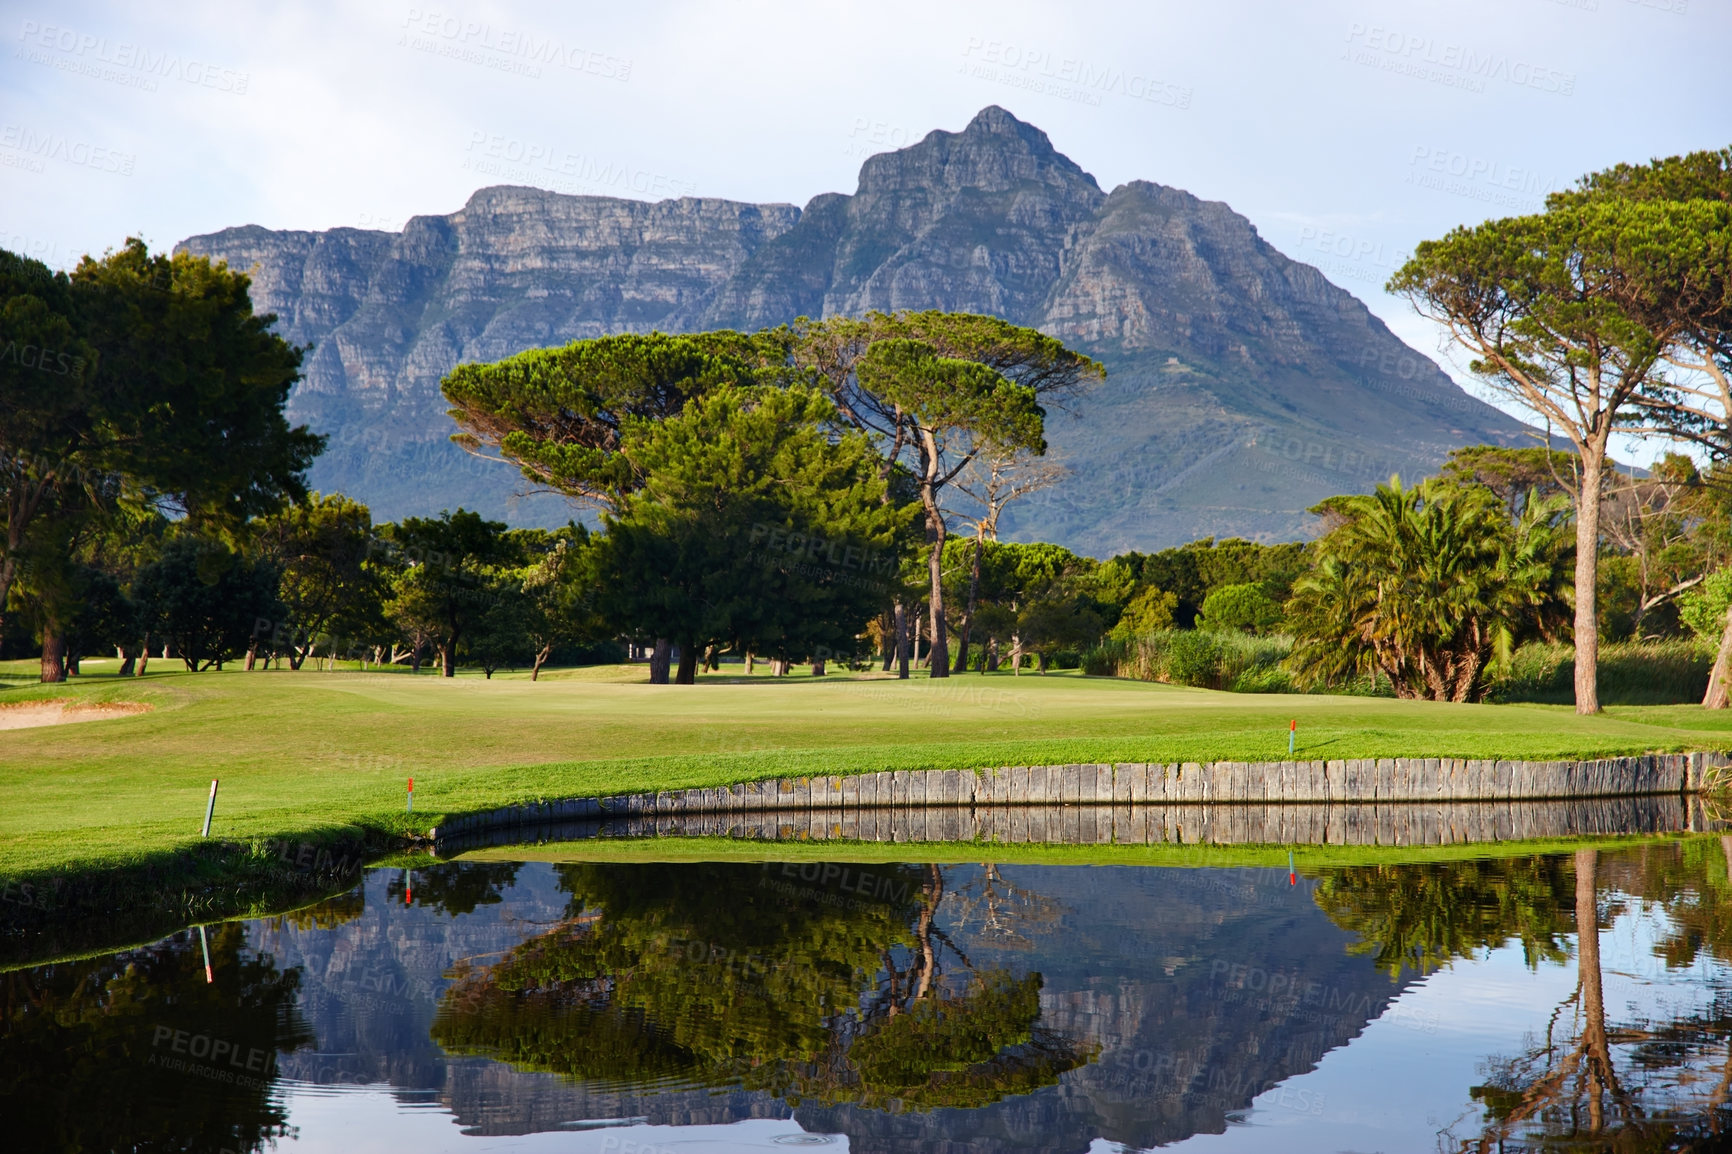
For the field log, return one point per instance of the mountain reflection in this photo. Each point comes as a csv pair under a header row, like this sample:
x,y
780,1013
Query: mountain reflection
x,y
821,983
918,1007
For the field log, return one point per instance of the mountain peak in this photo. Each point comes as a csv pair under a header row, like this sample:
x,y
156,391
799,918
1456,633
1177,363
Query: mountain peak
x,y
996,152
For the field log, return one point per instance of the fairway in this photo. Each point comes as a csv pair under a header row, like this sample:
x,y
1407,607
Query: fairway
x,y
308,750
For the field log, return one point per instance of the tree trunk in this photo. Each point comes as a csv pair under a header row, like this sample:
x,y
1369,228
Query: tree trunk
x,y
937,531
448,657
748,663
1587,581
660,658
414,659
817,669
1016,654
992,655
1717,695
540,659
688,671
889,635
901,640
53,653
968,609
143,655
252,654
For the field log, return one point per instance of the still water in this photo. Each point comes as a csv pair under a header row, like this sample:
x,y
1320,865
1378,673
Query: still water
x,y
651,1008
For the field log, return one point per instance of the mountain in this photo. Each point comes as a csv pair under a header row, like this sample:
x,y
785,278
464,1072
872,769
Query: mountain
x,y
1243,386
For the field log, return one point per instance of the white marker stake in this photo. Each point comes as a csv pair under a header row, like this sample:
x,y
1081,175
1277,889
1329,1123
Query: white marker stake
x,y
205,942
211,808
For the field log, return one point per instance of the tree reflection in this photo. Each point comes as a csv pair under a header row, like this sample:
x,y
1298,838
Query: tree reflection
x,y
1420,917
837,986
455,888
1595,1083
137,1051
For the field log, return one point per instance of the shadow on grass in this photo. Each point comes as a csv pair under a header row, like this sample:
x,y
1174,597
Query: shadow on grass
x,y
46,916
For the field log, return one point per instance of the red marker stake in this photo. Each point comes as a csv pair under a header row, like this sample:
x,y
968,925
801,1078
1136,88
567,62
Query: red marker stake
x,y
1292,733
1292,878
209,978
411,808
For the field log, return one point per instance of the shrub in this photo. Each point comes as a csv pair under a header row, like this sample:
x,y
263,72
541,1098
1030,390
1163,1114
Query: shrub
x,y
1243,607
1670,672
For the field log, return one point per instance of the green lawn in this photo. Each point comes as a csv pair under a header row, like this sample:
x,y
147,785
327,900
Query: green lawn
x,y
309,750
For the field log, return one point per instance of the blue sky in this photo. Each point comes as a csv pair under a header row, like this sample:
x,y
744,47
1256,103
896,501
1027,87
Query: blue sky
x,y
1346,131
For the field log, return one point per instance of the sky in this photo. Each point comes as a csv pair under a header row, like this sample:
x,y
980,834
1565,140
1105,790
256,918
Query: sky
x,y
1345,130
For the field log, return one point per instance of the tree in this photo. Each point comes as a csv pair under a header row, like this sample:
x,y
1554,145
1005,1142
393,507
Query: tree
x,y
1424,586
1150,610
323,547
560,414
163,389
442,591
204,600
1682,292
561,586
992,481
1552,308
754,528
942,388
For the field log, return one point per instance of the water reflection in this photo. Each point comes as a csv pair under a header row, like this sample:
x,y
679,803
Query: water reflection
x,y
1449,1006
836,987
138,1051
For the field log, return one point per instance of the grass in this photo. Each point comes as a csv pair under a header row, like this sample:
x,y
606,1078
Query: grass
x,y
310,751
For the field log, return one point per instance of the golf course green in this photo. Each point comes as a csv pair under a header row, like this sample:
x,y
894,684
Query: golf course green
x,y
302,752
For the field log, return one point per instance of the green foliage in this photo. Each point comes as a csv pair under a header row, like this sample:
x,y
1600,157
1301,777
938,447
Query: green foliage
x,y
1242,607
1703,609
755,527
1206,659
1669,672
140,382
448,577
205,600
323,547
1424,586
560,415
1191,572
1148,611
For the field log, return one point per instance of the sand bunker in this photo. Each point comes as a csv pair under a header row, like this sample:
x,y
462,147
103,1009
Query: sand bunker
x,y
35,713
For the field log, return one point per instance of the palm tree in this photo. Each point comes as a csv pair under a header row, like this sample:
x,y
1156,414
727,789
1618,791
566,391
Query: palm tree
x,y
1425,586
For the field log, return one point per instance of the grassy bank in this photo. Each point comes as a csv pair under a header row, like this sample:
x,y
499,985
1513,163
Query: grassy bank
x,y
307,751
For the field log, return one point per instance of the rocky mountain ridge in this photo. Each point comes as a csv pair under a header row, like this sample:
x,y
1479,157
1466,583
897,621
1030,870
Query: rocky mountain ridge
x,y
1243,387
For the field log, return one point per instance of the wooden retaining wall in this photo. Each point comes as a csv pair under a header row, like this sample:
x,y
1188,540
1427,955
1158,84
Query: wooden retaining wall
x,y
1187,784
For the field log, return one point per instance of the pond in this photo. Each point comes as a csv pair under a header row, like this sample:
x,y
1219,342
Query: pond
x,y
983,1005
